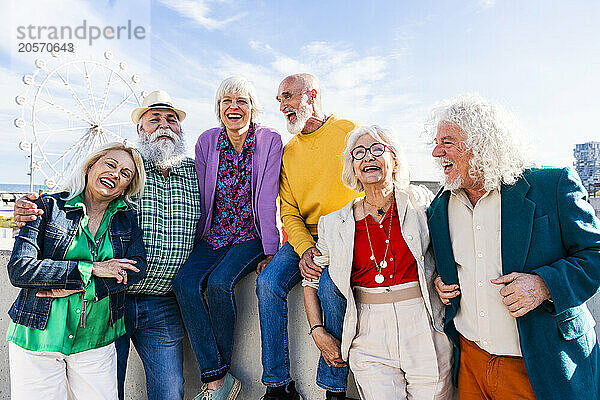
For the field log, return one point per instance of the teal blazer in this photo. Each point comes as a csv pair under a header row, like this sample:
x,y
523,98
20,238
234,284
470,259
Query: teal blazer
x,y
548,229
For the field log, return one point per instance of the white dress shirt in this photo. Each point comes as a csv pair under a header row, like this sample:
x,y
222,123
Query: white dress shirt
x,y
475,233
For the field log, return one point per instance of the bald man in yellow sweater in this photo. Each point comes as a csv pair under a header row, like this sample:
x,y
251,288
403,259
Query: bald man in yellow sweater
x,y
310,186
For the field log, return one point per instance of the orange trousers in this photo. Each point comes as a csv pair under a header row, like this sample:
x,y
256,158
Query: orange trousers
x,y
487,376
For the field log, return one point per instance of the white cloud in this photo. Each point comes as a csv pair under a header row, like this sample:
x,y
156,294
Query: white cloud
x,y
350,81
287,65
341,70
72,13
14,161
367,89
198,10
256,45
484,4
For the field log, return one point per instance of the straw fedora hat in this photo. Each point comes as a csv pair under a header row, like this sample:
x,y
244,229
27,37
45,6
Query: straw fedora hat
x,y
156,99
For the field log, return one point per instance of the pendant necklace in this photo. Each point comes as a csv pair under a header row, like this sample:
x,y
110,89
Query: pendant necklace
x,y
379,278
380,210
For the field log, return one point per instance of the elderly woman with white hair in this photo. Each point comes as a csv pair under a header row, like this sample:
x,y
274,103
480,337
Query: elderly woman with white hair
x,y
238,167
74,263
379,268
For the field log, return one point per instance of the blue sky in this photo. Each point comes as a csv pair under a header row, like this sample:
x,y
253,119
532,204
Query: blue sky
x,y
379,62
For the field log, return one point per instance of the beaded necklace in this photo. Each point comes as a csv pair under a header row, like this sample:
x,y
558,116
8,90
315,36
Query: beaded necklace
x,y
379,278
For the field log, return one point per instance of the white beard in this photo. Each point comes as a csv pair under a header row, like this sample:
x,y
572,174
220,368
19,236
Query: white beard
x,y
303,114
451,185
165,154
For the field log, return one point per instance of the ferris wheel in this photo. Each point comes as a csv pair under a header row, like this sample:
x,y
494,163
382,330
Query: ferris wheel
x,y
72,106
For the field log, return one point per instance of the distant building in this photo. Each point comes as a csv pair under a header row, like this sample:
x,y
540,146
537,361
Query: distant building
x,y
595,202
6,239
587,164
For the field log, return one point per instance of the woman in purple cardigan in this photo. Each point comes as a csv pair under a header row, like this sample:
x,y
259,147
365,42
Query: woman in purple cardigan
x,y
238,168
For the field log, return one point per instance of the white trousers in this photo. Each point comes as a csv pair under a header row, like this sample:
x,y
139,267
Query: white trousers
x,y
397,354
48,375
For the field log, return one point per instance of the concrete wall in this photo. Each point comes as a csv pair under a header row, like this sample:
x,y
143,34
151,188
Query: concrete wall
x,y
246,364
246,358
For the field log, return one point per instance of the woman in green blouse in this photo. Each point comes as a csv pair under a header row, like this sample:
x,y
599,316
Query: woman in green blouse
x,y
74,263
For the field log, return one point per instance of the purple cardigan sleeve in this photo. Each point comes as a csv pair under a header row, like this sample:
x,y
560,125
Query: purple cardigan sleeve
x,y
206,159
200,164
199,161
267,195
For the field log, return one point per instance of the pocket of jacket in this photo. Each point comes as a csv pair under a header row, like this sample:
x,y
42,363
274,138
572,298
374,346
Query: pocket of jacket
x,y
576,324
54,231
124,241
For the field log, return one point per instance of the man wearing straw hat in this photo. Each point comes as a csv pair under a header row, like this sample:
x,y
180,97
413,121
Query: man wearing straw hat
x,y
168,213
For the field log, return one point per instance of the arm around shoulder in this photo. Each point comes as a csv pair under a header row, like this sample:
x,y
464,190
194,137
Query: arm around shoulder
x,y
28,267
422,195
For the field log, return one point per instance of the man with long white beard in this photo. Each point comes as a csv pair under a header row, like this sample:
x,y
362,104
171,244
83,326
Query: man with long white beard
x,y
168,212
310,186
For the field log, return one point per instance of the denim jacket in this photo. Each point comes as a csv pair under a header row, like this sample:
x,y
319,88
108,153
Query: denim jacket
x,y
38,260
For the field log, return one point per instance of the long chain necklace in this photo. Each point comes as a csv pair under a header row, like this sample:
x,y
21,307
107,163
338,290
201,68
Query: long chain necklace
x,y
379,278
380,210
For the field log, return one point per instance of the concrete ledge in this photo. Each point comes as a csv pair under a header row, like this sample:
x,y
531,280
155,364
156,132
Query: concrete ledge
x,y
246,364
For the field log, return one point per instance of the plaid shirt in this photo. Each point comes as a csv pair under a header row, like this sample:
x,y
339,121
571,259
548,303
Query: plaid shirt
x,y
168,213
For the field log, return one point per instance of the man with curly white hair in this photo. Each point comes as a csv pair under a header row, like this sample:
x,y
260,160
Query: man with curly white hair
x,y
517,250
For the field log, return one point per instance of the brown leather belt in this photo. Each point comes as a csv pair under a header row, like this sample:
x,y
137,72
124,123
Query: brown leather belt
x,y
392,296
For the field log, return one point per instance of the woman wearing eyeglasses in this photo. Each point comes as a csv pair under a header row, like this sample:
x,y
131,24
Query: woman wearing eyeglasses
x,y
379,268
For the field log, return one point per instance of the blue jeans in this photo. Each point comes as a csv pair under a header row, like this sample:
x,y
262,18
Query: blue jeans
x,y
333,304
153,323
210,323
272,287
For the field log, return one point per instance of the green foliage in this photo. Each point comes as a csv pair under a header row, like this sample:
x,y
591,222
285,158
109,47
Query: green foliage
x,y
7,222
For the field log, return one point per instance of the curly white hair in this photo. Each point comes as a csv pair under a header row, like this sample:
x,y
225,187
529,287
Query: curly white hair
x,y
500,154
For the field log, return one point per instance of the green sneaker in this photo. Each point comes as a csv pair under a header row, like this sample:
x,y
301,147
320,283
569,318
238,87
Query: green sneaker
x,y
229,391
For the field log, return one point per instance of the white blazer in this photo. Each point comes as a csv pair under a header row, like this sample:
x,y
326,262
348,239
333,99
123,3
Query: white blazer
x,y
336,244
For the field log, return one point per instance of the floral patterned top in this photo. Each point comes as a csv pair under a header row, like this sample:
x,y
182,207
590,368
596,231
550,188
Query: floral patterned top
x,y
233,219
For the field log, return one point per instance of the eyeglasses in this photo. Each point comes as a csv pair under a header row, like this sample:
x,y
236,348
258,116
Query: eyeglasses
x,y
376,150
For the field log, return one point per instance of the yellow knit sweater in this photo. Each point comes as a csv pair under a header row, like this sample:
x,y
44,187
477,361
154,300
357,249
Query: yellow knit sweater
x,y
311,180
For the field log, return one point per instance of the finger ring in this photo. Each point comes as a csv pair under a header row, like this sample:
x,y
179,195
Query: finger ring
x,y
123,273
